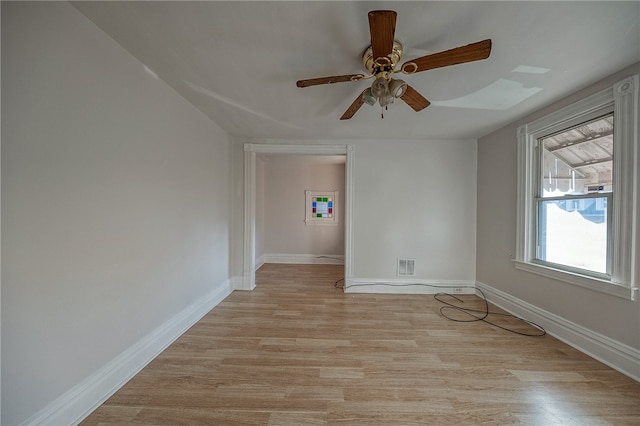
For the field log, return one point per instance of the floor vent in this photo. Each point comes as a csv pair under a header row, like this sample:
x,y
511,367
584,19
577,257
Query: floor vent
x,y
406,267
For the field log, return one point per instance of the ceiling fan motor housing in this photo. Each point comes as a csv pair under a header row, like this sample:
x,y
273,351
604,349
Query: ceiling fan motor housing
x,y
377,65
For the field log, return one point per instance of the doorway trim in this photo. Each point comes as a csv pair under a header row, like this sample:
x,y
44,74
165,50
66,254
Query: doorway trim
x,y
250,152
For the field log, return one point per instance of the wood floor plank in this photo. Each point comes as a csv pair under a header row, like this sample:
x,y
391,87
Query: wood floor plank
x,y
298,350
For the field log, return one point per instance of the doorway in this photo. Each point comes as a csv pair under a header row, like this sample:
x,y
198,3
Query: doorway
x,y
250,194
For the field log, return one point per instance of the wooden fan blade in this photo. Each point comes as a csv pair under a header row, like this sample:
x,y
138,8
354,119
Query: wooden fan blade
x,y
459,55
354,107
382,27
414,99
329,80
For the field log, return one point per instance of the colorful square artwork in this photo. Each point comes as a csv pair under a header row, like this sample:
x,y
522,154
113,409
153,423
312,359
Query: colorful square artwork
x,y
322,207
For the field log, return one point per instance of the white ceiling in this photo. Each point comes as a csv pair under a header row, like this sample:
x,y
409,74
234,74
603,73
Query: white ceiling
x,y
238,61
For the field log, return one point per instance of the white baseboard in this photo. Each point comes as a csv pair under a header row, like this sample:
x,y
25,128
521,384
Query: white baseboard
x,y
79,401
616,355
332,259
408,286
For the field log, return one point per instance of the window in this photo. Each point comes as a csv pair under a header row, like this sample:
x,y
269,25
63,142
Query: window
x,y
321,207
577,186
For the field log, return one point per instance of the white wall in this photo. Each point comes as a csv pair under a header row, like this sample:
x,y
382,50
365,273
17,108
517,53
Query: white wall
x,y
285,182
609,316
114,203
417,200
412,198
236,208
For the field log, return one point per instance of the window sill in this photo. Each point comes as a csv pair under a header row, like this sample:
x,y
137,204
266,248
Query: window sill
x,y
320,223
595,284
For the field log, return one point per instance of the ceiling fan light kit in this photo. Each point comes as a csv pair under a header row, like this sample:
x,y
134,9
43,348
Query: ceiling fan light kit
x,y
381,58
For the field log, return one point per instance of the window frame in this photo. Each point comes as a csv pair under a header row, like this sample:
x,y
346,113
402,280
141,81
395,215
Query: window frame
x,y
621,98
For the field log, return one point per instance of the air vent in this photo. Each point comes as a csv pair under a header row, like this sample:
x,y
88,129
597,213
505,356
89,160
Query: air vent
x,y
406,267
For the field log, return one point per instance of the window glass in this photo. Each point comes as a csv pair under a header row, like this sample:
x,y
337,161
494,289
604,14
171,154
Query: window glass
x,y
574,233
578,160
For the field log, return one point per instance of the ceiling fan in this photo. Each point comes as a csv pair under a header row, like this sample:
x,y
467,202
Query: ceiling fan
x,y
381,58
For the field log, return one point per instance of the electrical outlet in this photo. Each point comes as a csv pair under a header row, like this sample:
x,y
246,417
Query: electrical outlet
x,y
457,290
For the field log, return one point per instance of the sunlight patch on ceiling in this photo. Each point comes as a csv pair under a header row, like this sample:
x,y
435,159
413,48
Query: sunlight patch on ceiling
x,y
526,69
499,95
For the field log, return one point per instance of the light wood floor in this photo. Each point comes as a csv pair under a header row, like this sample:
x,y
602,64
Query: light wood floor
x,y
298,351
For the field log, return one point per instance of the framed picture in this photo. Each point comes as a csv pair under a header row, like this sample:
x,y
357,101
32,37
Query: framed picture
x,y
321,207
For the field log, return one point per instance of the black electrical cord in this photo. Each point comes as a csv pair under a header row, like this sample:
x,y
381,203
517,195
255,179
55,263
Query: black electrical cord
x,y
483,314
467,311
